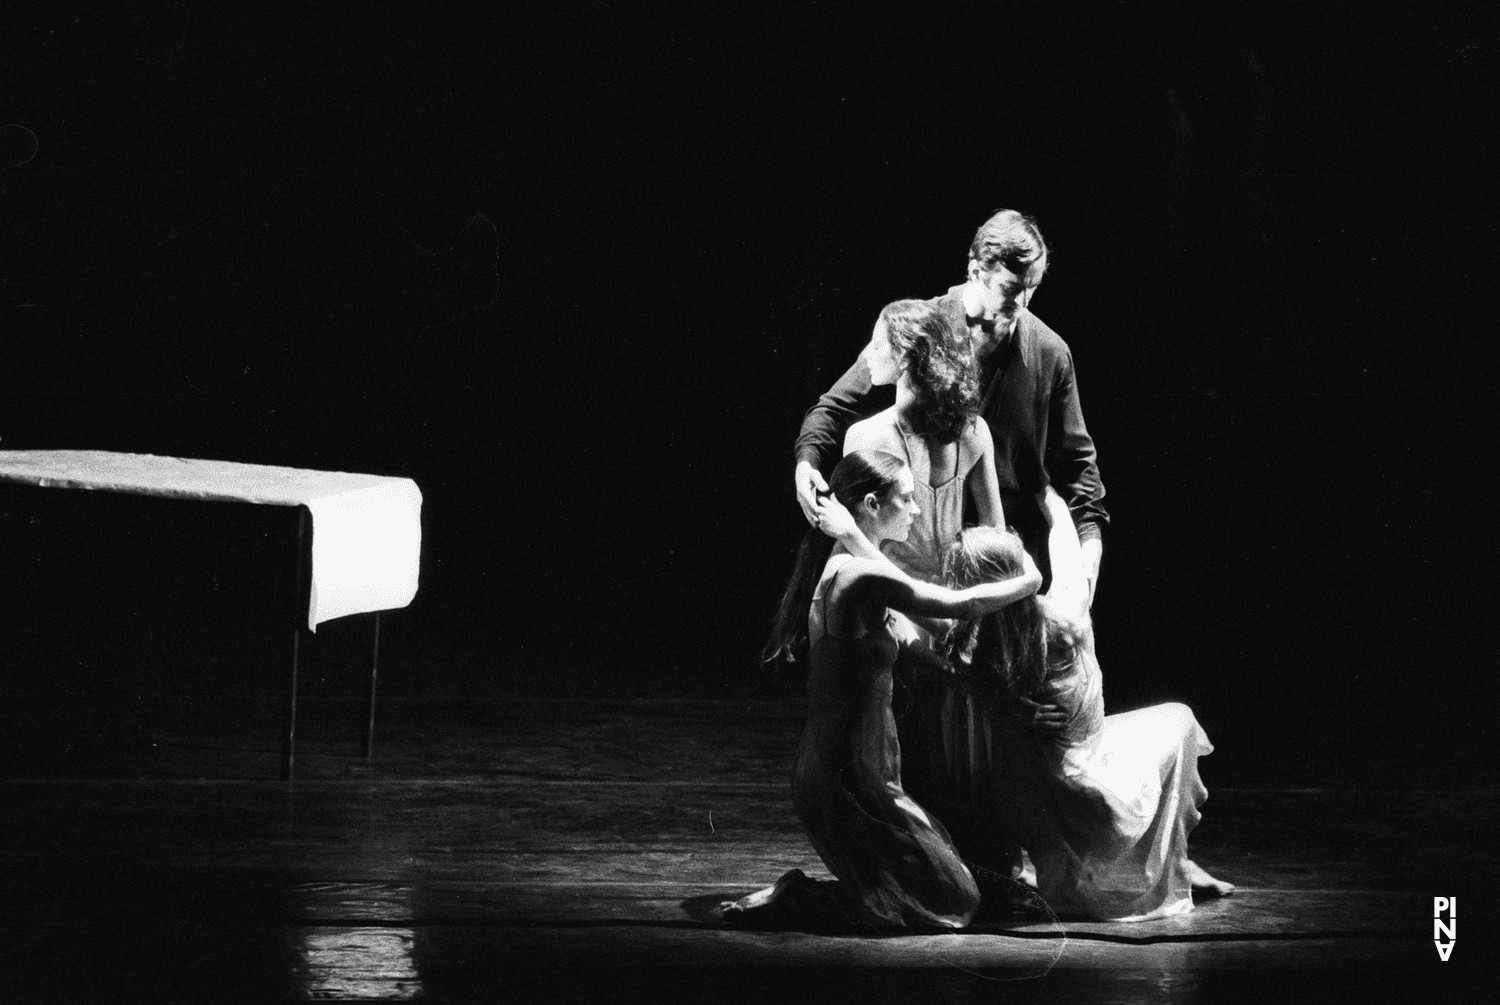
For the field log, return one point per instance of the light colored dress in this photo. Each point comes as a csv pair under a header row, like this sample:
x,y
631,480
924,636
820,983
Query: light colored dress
x,y
895,864
1105,815
942,506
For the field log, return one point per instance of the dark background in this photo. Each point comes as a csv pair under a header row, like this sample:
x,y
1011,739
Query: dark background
x,y
578,270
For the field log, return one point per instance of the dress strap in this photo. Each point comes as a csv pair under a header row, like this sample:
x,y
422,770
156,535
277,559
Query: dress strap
x,y
828,587
905,447
922,477
819,626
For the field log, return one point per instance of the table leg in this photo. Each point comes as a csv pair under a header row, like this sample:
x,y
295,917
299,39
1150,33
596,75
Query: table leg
x,y
289,753
374,672
299,612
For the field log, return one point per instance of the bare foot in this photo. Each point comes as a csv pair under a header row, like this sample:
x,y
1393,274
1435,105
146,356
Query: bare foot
x,y
795,902
1205,885
1027,874
760,901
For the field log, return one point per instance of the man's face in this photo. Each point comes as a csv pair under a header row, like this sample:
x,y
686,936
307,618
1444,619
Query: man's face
x,y
1002,294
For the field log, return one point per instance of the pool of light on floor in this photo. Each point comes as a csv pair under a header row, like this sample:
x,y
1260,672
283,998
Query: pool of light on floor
x,y
358,963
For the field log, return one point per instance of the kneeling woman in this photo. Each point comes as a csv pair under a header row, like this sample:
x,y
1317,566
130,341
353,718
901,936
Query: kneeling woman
x,y
896,866
1105,807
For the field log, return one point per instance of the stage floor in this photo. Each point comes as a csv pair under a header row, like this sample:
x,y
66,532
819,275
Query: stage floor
x,y
576,850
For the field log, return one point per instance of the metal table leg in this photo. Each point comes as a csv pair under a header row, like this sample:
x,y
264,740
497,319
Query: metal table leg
x,y
289,754
289,751
374,672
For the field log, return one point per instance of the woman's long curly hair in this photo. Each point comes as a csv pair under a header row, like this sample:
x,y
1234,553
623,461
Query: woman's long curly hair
x,y
856,476
1015,648
940,365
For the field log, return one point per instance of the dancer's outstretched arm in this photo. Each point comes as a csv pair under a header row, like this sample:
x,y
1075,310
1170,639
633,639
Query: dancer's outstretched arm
x,y
1068,598
870,584
1070,589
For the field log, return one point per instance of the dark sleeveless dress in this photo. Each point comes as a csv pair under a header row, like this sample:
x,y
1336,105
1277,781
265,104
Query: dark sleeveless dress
x,y
895,864
954,743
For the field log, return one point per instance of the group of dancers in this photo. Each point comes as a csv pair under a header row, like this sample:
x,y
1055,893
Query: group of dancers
x,y
1001,781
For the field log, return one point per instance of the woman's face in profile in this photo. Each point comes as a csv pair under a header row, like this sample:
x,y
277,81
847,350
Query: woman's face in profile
x,y
898,509
881,358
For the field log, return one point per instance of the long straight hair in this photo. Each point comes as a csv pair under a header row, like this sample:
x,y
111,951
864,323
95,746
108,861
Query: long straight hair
x,y
859,474
1015,648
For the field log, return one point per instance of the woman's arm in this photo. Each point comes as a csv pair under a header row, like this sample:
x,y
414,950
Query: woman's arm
x,y
983,482
1069,588
871,585
1067,599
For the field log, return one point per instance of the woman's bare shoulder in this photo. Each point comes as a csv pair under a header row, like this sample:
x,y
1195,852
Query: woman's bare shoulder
x,y
878,432
854,568
860,582
977,435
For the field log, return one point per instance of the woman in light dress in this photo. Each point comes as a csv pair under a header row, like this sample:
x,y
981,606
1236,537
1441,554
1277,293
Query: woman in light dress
x,y
1104,807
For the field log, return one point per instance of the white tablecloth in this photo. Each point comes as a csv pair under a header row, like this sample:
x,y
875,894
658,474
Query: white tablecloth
x,y
366,529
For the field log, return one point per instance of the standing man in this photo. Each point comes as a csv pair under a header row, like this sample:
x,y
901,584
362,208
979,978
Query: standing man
x,y
1030,396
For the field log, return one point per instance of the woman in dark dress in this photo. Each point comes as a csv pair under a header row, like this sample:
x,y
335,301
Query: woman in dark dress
x,y
895,864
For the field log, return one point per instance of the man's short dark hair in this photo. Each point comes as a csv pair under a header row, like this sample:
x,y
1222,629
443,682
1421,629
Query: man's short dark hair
x,y
1011,240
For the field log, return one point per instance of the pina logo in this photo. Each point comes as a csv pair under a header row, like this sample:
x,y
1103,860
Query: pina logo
x,y
1444,929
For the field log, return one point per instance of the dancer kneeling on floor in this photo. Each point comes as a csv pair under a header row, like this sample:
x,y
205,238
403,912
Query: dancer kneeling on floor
x,y
895,864
1105,807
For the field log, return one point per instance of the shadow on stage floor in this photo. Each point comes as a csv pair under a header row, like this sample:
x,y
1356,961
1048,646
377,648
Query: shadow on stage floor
x,y
572,850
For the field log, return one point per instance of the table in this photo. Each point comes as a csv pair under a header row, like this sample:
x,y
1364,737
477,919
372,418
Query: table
x,y
359,535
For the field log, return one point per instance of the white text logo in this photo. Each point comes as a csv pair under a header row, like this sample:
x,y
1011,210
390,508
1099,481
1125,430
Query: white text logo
x,y
1444,929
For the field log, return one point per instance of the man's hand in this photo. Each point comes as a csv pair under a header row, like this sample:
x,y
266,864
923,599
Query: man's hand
x,y
809,482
